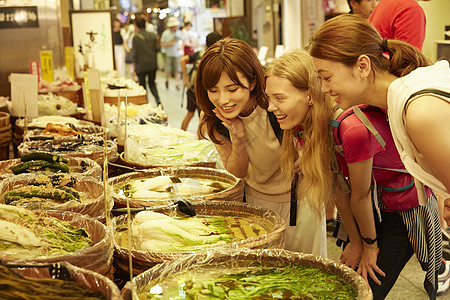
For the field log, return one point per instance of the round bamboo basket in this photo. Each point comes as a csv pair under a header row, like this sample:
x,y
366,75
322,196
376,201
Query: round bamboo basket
x,y
234,193
142,260
97,257
91,280
96,154
134,165
5,135
81,166
93,203
224,259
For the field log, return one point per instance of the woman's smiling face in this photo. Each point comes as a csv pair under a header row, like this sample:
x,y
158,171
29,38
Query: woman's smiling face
x,y
289,104
342,82
229,97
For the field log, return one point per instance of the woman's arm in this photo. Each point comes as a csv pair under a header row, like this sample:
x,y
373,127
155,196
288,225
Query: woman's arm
x,y
352,253
427,123
360,174
233,151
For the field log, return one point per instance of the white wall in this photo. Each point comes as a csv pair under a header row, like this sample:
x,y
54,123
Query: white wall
x,y
438,15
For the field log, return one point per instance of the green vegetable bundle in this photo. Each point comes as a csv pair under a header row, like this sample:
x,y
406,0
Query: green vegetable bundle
x,y
288,282
35,233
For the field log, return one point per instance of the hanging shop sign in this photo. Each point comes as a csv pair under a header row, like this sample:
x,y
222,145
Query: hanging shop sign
x,y
19,17
47,65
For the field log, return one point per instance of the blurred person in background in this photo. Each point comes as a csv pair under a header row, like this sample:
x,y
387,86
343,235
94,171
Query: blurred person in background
x,y
189,41
120,47
402,20
145,48
362,7
170,39
189,80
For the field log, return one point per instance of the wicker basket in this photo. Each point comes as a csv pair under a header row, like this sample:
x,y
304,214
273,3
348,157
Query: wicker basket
x,y
234,193
93,190
96,154
82,166
138,166
93,281
5,135
142,260
229,258
96,258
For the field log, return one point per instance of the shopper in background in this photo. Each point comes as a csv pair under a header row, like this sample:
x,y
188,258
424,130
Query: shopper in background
x,y
230,89
402,20
128,41
362,7
145,47
189,41
358,66
189,80
120,47
170,42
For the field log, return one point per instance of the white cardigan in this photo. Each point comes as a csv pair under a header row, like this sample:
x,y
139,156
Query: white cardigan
x,y
435,77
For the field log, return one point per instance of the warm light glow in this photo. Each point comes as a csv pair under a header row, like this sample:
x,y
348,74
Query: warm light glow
x,y
149,10
20,16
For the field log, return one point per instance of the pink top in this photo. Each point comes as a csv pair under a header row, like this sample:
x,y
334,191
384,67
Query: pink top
x,y
359,144
400,20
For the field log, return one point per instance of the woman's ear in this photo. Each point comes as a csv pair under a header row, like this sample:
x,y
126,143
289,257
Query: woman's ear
x,y
364,66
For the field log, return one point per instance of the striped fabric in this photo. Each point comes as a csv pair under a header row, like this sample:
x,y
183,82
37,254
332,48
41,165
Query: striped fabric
x,y
424,233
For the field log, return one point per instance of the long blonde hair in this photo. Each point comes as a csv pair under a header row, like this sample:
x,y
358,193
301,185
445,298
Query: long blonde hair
x,y
315,183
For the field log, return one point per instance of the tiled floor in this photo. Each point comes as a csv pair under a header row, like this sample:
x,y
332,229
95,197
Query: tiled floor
x,y
409,286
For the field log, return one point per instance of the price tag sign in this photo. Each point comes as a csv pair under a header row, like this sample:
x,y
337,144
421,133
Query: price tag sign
x,y
69,58
24,95
47,65
34,67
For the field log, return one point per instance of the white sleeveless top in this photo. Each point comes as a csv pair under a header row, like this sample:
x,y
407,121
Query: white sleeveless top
x,y
436,77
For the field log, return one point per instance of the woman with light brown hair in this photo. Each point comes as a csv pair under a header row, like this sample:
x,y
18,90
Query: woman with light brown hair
x,y
357,66
230,89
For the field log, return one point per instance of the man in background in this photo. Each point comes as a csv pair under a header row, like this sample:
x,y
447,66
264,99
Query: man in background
x,y
402,20
145,47
171,40
362,7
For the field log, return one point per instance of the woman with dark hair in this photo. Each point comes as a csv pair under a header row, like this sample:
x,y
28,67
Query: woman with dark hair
x,y
357,66
230,89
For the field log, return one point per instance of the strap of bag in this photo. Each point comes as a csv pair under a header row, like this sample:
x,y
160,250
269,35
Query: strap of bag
x,y
362,117
293,208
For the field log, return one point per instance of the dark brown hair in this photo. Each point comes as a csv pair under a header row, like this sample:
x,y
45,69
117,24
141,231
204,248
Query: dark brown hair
x,y
344,38
231,56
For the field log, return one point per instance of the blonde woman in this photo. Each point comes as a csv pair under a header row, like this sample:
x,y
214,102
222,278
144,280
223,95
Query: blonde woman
x,y
230,88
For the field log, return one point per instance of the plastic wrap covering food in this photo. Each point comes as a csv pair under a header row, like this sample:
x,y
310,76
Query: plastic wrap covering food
x,y
41,122
90,190
66,132
136,114
142,260
89,147
154,145
91,280
97,257
235,191
225,259
112,83
51,104
83,166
